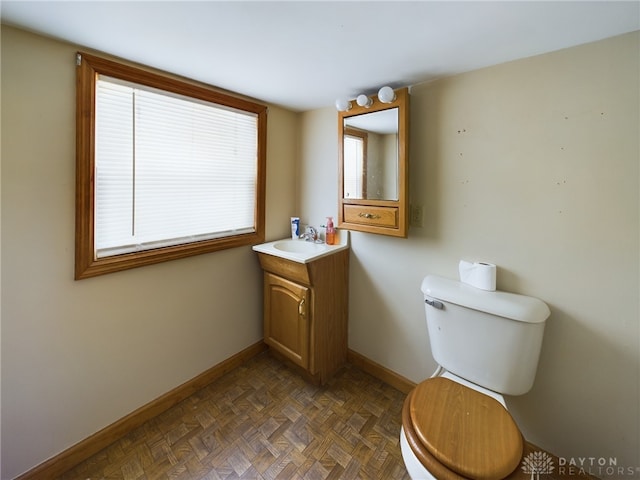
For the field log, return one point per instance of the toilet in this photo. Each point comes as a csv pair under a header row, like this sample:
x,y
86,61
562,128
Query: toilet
x,y
455,424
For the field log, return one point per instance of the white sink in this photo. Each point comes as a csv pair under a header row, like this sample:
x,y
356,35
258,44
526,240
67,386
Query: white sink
x,y
302,251
299,246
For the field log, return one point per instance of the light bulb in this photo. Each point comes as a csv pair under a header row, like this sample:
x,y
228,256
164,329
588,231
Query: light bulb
x,y
364,101
386,95
343,105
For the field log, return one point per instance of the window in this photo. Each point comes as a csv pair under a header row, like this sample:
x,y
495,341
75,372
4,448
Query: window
x,y
165,168
355,164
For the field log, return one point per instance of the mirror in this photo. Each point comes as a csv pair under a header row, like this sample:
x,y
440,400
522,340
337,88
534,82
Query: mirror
x,y
370,143
373,151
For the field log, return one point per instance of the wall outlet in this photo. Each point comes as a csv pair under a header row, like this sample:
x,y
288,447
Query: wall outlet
x,y
415,216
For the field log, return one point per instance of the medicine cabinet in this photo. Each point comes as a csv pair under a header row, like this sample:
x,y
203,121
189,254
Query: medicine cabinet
x,y
373,147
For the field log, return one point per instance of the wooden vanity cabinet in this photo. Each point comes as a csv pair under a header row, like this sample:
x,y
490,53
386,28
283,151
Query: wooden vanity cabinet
x,y
306,310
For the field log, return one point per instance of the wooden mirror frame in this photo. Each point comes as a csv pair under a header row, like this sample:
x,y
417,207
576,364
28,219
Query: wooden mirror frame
x,y
384,217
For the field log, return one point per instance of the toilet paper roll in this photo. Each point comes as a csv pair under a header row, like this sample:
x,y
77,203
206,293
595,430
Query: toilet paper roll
x,y
478,274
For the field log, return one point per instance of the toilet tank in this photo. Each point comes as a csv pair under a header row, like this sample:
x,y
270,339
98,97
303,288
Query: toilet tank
x,y
491,339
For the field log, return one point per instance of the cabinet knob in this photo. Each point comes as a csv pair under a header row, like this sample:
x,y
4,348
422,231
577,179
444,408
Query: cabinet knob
x,y
368,215
301,309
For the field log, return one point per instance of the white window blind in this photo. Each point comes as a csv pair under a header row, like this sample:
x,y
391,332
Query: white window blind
x,y
170,169
353,165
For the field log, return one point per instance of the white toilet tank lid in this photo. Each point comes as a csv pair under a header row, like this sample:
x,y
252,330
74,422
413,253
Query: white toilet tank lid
x,y
503,304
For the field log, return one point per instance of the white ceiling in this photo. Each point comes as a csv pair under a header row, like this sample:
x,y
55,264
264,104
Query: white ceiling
x,y
305,54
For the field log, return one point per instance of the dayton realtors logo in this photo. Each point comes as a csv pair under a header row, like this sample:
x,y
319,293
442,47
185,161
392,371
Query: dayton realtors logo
x,y
541,463
537,463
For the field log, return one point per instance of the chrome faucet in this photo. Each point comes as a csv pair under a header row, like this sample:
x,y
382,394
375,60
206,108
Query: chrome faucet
x,y
310,234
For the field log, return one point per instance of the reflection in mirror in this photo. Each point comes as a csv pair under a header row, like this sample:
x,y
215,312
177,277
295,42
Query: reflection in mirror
x,y
370,144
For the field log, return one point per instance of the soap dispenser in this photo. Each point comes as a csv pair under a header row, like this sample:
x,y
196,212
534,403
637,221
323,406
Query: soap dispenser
x,y
330,234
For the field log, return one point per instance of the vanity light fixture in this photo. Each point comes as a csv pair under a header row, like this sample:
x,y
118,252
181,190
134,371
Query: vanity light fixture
x,y
364,101
386,94
343,105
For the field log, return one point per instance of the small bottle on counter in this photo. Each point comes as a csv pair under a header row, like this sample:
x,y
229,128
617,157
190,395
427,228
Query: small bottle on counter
x,y
330,234
295,227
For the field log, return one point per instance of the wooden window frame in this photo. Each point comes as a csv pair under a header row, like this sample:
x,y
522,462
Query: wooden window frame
x,y
86,264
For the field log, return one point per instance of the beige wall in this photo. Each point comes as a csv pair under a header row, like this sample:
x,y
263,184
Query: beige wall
x,y
77,356
534,166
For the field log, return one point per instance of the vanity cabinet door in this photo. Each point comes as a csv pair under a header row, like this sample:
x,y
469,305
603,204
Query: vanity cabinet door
x,y
286,318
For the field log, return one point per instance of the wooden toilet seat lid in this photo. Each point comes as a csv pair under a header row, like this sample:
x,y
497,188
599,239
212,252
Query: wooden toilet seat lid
x,y
468,432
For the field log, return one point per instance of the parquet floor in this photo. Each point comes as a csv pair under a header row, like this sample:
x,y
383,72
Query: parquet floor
x,y
264,421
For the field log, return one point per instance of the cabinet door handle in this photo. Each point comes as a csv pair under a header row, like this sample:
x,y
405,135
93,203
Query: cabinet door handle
x,y
301,309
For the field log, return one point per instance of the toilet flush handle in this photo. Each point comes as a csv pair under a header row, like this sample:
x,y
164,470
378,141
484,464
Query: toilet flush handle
x,y
435,304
